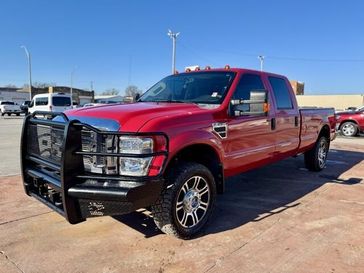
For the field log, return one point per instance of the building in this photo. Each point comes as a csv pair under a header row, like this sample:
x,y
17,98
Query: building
x,y
298,87
13,94
17,95
339,102
113,99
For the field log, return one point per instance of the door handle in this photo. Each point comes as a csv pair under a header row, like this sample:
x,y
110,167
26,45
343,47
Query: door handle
x,y
296,121
273,123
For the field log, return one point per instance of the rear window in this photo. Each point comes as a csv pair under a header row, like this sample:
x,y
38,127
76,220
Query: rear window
x,y
281,93
61,101
7,103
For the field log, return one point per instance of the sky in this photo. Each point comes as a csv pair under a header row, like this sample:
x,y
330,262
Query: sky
x,y
118,43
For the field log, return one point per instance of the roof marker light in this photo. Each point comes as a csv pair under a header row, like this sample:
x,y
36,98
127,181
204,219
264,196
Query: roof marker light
x,y
208,67
227,66
188,70
197,68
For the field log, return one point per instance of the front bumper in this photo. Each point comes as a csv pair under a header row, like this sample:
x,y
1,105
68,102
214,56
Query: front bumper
x,y
65,187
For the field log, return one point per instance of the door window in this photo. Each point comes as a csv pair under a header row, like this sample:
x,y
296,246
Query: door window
x,y
281,93
247,83
41,101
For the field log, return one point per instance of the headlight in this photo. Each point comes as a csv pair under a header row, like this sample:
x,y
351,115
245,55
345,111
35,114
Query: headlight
x,y
93,142
135,145
337,117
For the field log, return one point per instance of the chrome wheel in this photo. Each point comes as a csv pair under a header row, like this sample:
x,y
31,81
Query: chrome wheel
x,y
348,129
322,154
192,201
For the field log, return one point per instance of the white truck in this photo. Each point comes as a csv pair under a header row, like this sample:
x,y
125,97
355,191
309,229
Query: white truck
x,y
9,107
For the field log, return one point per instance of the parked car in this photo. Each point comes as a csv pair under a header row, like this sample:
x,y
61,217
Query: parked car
x,y
24,106
53,102
90,104
9,107
173,149
350,123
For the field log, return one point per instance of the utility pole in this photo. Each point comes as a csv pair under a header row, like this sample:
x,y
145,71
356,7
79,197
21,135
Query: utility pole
x,y
173,36
261,58
92,86
30,70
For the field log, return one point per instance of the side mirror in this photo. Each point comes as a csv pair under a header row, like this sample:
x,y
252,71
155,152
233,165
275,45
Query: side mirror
x,y
137,96
256,105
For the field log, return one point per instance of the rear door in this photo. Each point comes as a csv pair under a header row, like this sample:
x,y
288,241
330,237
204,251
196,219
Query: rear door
x,y
287,119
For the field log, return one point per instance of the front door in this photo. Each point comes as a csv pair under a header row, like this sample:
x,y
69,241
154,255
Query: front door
x,y
250,142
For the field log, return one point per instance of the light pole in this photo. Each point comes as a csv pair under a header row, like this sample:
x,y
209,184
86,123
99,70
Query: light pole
x,y
173,36
71,91
261,58
30,70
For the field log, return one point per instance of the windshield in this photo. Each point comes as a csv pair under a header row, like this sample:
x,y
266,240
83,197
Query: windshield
x,y
202,87
61,101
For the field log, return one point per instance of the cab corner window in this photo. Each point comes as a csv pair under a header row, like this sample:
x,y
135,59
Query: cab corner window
x,y
281,93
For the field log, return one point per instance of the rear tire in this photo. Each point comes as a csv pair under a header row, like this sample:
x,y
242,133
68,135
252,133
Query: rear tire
x,y
315,159
187,201
349,129
9,114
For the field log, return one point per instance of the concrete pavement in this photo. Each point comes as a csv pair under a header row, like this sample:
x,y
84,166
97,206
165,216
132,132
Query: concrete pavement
x,y
280,218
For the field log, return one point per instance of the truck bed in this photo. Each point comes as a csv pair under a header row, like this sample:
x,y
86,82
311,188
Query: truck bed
x,y
311,122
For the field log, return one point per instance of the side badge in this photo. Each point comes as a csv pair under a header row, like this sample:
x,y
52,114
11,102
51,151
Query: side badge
x,y
220,129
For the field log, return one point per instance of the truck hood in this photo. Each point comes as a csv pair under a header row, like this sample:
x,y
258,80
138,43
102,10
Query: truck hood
x,y
130,117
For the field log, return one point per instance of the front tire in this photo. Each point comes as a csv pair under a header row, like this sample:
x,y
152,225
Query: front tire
x,y
315,159
186,203
349,129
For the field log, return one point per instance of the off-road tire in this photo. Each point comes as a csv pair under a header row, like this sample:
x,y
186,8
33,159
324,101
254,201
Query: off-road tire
x,y
314,160
349,129
164,209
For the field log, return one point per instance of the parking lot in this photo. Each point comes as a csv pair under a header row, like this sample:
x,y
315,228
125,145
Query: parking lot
x,y
280,218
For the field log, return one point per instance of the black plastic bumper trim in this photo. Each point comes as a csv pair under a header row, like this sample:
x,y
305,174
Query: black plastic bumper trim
x,y
46,178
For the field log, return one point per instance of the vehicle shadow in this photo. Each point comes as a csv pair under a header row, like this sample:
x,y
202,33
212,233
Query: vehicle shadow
x,y
258,194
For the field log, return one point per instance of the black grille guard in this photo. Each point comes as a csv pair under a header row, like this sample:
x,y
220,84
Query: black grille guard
x,y
69,172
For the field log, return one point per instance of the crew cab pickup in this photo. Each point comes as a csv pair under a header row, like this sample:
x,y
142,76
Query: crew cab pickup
x,y
350,123
9,107
171,151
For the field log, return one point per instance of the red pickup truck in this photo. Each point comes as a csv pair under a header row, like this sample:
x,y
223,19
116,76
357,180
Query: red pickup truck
x,y
350,123
170,151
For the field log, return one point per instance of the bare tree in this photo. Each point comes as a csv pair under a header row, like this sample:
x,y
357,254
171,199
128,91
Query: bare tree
x,y
112,91
11,85
132,91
